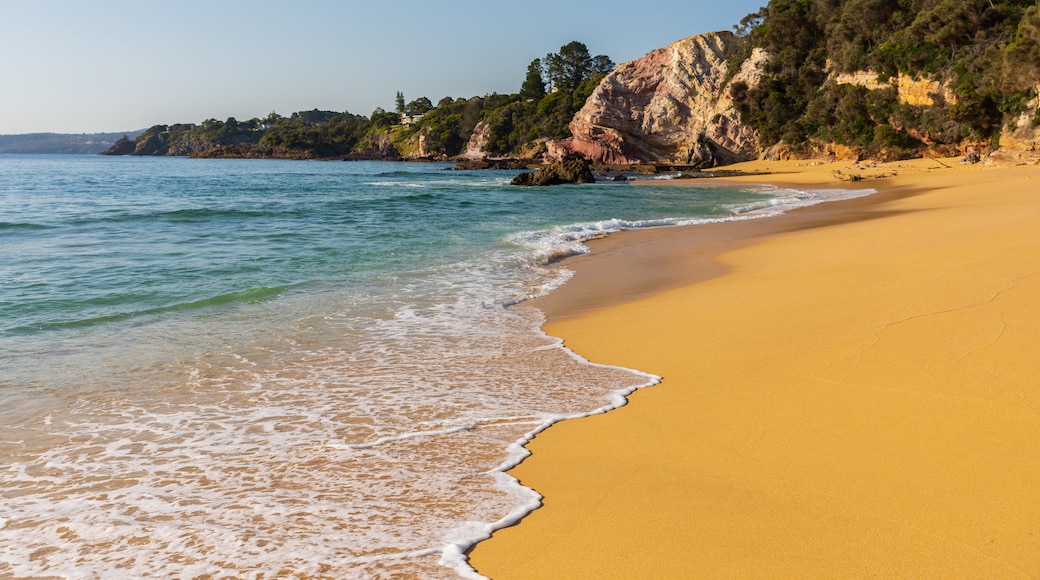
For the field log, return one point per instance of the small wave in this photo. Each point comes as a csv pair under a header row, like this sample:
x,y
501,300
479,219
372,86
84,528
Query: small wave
x,y
208,213
565,241
244,297
401,173
568,240
781,200
21,227
251,296
176,216
410,184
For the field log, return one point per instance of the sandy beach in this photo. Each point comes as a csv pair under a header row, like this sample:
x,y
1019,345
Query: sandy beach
x,y
850,390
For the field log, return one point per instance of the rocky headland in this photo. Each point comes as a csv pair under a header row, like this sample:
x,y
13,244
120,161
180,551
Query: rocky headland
x,y
671,106
798,80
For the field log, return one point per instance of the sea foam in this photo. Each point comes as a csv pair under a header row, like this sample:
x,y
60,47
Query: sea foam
x,y
349,402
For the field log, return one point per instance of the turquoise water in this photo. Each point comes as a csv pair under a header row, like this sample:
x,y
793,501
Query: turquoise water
x,y
91,241
234,367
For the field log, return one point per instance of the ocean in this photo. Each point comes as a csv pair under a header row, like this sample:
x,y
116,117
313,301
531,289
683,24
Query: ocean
x,y
268,369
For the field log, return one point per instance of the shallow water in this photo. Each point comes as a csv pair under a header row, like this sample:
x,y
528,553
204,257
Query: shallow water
x,y
239,368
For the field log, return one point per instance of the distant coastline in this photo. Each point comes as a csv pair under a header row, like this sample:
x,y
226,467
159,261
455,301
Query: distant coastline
x,y
62,143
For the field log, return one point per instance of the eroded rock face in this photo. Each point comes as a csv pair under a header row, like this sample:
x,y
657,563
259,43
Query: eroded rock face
x,y
1020,139
476,148
918,92
671,106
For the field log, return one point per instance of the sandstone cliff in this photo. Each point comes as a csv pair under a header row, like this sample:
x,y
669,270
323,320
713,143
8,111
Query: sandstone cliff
x,y
477,145
672,106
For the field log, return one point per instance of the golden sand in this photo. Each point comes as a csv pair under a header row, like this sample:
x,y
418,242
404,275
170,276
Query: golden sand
x,y
847,396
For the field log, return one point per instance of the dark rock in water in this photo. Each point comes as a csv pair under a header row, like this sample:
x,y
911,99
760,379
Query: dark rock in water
x,y
526,178
620,177
468,164
571,170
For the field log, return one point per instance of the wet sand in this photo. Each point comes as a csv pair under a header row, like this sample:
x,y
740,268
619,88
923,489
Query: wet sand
x,y
849,390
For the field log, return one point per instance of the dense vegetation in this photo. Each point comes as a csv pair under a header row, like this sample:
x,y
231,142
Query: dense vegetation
x,y
985,52
517,125
514,122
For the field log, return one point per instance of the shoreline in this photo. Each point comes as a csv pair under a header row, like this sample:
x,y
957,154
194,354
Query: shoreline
x,y
615,484
652,260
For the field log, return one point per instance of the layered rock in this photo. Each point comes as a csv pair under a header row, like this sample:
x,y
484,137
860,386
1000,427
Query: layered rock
x,y
671,106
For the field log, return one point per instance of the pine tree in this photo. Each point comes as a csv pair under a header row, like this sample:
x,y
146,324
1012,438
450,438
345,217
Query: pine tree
x,y
534,86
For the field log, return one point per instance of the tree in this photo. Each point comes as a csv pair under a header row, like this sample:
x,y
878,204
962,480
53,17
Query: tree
x,y
399,107
573,65
272,119
601,64
534,86
381,118
1022,56
568,68
749,23
419,106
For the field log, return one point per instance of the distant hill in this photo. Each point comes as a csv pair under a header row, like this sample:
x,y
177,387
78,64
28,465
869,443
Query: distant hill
x,y
514,125
58,143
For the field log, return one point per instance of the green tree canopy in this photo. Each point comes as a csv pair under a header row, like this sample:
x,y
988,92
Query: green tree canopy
x,y
573,65
419,106
534,86
986,52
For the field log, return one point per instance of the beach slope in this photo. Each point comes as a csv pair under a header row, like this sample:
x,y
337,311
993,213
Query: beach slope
x,y
856,398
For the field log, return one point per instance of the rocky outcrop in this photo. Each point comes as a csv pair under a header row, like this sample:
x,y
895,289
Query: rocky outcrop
x,y
915,91
153,143
124,146
477,147
671,106
376,146
571,170
1020,139
178,140
487,163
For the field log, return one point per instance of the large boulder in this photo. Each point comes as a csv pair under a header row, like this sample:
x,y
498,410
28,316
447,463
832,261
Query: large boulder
x,y
671,106
570,170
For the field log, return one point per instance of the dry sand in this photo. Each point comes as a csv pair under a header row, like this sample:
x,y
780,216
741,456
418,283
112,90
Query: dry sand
x,y
849,391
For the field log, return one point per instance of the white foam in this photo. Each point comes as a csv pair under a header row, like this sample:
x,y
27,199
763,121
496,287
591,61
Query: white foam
x,y
454,554
367,442
391,430
408,184
568,240
781,200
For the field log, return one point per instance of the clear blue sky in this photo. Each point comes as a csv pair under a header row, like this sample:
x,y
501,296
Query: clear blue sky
x,y
73,66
